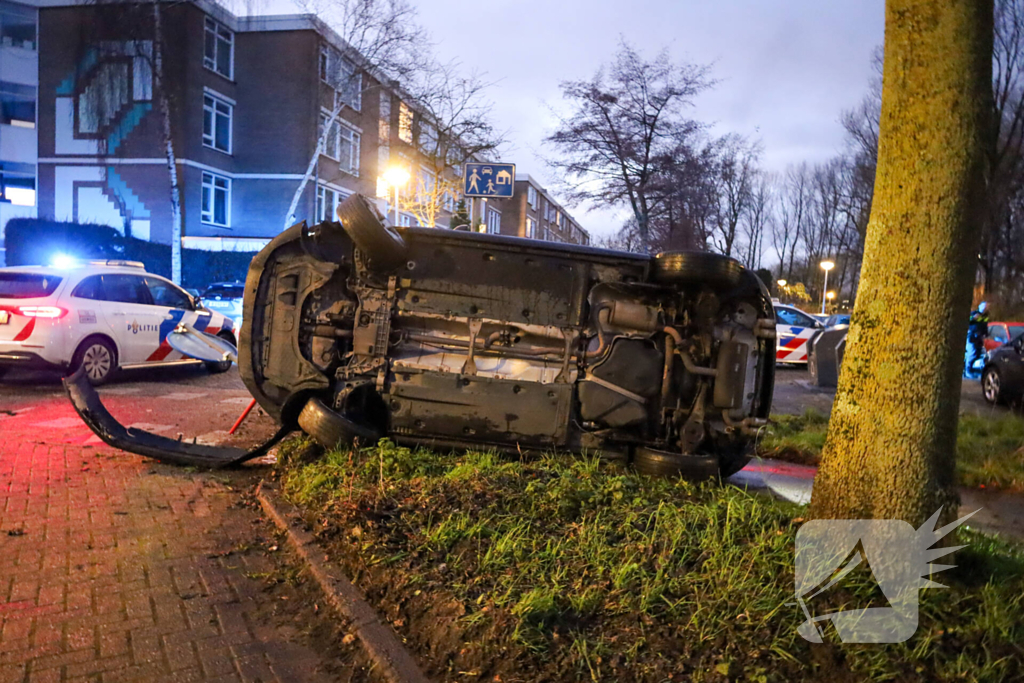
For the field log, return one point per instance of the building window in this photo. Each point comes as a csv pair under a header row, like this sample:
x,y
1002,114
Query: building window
x,y
17,26
17,105
449,201
493,221
216,200
219,48
405,220
405,123
217,123
348,150
428,138
531,228
326,204
330,143
384,125
350,84
531,197
17,183
325,64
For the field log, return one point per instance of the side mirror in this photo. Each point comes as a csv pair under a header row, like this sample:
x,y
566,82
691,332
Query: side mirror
x,y
197,303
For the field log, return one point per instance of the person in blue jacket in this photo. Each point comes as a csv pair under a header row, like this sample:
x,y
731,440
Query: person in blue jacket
x,y
977,330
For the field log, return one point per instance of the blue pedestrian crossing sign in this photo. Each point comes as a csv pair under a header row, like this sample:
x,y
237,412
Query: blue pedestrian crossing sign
x,y
490,180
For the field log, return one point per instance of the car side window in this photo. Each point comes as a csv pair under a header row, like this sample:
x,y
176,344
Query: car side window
x,y
998,332
166,294
790,317
126,289
89,288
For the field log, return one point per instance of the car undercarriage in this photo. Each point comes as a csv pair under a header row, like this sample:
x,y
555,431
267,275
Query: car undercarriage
x,y
355,331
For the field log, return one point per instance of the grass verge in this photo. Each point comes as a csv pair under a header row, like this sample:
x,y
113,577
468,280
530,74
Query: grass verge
x,y
990,450
562,568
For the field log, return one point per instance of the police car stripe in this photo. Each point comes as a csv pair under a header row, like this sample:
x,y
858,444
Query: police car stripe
x,y
26,331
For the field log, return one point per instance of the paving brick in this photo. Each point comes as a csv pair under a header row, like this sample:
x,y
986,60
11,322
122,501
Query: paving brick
x,y
117,577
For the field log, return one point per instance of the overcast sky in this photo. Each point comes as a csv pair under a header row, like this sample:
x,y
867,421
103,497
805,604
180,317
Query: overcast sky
x,y
786,68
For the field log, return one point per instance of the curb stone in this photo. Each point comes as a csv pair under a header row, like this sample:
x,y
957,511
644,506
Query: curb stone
x,y
381,643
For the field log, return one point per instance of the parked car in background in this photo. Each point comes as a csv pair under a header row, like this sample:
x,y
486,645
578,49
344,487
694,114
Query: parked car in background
x,y
1002,377
225,298
793,329
837,319
999,333
102,315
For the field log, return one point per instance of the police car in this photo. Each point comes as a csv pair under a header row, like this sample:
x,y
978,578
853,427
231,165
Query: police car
x,y
103,315
793,329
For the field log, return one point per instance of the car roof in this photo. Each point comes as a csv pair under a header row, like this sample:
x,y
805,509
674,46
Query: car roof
x,y
84,269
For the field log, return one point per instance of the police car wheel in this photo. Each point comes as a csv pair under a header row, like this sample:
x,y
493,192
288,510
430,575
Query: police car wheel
x,y
696,267
217,367
664,464
991,386
99,359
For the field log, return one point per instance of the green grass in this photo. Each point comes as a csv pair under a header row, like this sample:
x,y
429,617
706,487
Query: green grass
x,y
990,450
561,568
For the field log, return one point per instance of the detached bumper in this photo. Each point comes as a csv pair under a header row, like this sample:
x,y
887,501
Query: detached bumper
x,y
89,407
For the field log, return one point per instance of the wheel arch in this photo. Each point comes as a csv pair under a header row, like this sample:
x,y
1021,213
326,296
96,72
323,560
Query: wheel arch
x,y
98,335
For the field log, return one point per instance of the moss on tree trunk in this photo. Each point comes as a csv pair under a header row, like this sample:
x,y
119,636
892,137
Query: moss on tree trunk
x,y
890,446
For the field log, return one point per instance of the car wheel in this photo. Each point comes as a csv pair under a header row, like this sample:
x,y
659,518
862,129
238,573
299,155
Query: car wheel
x,y
696,267
331,429
217,367
732,461
3,371
99,359
383,247
664,464
992,386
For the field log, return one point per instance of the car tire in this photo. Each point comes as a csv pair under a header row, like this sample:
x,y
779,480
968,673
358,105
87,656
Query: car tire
x,y
664,464
992,386
729,463
3,371
696,267
217,367
331,429
99,357
383,247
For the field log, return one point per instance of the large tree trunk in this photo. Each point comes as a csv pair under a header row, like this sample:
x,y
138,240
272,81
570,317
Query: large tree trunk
x,y
890,446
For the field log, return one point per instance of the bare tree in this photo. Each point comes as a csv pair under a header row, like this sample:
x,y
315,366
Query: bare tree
x,y
737,168
619,124
759,215
383,37
454,127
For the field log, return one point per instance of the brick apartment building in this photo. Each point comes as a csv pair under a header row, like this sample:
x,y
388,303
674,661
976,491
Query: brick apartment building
x,y
532,212
248,98
18,81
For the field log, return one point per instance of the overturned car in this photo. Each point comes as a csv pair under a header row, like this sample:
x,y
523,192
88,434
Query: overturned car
x,y
354,331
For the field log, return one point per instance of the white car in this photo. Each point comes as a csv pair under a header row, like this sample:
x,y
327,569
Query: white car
x,y
103,315
793,329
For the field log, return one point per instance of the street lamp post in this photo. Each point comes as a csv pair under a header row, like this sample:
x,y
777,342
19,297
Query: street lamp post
x,y
830,296
826,266
396,176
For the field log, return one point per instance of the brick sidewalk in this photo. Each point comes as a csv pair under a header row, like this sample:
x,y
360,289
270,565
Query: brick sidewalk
x,y
113,568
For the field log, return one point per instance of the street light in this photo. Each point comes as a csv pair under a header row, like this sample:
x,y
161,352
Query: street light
x,y
396,177
830,296
826,266
782,283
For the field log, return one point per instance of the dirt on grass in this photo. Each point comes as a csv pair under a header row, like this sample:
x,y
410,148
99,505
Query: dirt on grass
x,y
566,569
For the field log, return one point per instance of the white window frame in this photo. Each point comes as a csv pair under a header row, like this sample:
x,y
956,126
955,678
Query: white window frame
x,y
405,220
531,228
207,216
211,25
493,221
531,197
329,150
323,193
406,118
350,80
210,140
355,147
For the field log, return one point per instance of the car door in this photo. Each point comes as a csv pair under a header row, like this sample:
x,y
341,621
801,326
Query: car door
x,y
128,309
997,336
175,306
793,329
